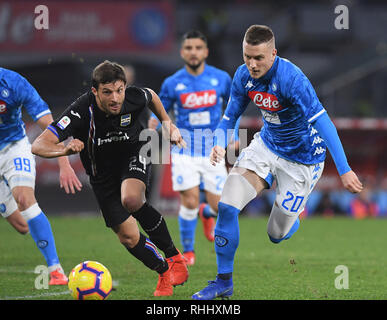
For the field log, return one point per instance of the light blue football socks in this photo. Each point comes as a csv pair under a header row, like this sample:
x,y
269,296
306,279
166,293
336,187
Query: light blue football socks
x,y
187,233
41,232
226,237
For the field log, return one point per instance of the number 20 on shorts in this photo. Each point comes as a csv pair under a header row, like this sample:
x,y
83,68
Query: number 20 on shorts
x,y
294,202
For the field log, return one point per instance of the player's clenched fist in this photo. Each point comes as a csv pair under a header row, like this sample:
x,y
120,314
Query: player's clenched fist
x,y
74,146
217,155
176,137
351,182
171,132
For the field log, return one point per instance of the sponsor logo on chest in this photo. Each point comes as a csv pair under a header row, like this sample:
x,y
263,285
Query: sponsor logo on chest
x,y
265,100
3,107
200,99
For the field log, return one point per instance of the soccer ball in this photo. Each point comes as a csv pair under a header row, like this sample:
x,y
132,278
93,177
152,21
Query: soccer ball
x,y
90,280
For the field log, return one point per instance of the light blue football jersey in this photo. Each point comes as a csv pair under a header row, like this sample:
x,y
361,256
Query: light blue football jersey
x,y
197,102
289,106
16,92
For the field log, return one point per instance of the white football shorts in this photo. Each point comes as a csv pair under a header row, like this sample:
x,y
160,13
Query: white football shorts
x,y
295,181
17,168
189,172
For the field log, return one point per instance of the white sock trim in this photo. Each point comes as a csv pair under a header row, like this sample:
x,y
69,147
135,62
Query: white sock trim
x,y
188,214
54,267
31,212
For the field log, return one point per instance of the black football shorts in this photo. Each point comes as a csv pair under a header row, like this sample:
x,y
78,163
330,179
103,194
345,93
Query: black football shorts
x,y
107,187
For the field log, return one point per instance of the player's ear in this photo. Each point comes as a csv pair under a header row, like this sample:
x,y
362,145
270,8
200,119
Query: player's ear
x,y
207,52
274,53
181,53
94,90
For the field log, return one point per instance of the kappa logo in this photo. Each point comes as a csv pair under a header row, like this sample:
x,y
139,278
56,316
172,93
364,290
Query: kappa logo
x,y
249,84
200,99
319,150
180,86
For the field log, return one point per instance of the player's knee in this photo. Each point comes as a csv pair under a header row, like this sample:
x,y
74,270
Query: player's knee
x,y
191,204
128,240
237,192
274,232
132,203
24,200
190,201
276,238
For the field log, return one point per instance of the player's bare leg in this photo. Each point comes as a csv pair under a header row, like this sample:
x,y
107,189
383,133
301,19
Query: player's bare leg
x,y
17,221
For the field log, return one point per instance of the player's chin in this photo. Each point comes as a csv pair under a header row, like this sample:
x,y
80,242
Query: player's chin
x,y
194,64
255,74
114,109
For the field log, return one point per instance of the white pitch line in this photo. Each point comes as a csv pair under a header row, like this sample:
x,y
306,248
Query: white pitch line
x,y
16,271
48,294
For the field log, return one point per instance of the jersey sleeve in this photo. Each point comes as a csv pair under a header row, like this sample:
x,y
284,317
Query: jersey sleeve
x,y
237,104
29,98
303,95
328,132
70,121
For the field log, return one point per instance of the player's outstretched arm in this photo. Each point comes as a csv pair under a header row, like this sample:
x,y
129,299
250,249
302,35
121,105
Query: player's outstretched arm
x,y
168,128
67,177
47,146
328,132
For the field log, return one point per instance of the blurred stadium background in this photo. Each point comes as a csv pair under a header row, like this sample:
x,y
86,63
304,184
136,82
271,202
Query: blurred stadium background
x,y
348,69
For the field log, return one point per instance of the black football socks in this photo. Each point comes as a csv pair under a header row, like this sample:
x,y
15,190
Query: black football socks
x,y
147,253
154,225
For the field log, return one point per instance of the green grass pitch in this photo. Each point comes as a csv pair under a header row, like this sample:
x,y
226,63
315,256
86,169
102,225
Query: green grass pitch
x,y
300,268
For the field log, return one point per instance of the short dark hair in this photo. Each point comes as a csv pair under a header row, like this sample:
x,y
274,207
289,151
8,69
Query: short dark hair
x,y
107,72
257,34
194,34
